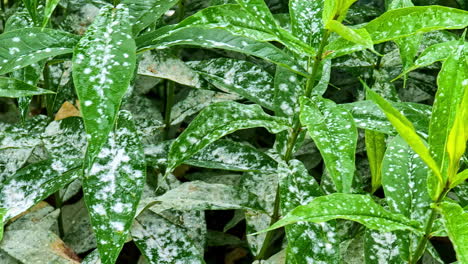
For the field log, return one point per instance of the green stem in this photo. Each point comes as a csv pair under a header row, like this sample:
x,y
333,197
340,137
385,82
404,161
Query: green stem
x,y
427,231
168,110
311,82
181,13
58,205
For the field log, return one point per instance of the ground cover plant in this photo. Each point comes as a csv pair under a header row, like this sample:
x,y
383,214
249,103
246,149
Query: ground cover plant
x,y
233,131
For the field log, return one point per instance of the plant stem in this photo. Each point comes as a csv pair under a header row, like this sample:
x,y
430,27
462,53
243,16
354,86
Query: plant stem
x,y
168,108
311,82
181,13
58,205
427,230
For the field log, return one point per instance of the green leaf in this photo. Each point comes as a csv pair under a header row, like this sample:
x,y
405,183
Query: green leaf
x,y
381,247
221,39
306,20
404,22
333,130
406,130
221,154
216,121
31,6
14,88
34,183
2,216
48,10
317,242
459,178
444,111
164,242
456,223
368,115
432,54
198,195
359,36
23,47
65,138
244,78
112,187
146,12
375,148
355,207
103,65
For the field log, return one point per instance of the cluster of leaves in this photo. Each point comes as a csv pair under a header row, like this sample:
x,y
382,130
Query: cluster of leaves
x,y
145,122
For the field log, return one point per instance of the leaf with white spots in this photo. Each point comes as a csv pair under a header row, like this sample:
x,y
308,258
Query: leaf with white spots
x,y
451,82
404,180
381,247
198,195
166,66
306,20
196,100
307,242
406,130
65,138
404,22
334,132
456,223
112,187
164,242
368,115
355,207
146,12
14,88
23,47
434,53
244,78
36,182
219,39
221,154
103,65
216,121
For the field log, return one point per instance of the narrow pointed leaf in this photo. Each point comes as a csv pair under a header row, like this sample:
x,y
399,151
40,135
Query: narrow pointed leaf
x,y
48,10
358,36
445,109
2,216
241,77
23,47
456,223
216,121
317,242
103,65
34,183
14,88
375,148
112,187
354,207
406,130
221,39
333,130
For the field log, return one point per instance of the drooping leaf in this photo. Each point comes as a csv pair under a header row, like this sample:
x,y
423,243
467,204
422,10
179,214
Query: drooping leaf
x,y
333,130
444,111
103,64
317,242
406,131
112,187
23,47
146,12
14,88
216,121
36,182
456,223
221,39
244,78
355,207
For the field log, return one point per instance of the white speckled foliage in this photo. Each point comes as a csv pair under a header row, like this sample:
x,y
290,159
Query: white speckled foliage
x,y
233,131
